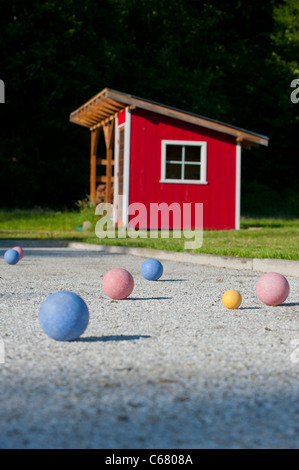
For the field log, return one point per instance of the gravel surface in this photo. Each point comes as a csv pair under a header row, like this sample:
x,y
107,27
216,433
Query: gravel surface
x,y
167,368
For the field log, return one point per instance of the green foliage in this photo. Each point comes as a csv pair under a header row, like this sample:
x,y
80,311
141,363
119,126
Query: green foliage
x,y
86,209
286,31
232,61
260,200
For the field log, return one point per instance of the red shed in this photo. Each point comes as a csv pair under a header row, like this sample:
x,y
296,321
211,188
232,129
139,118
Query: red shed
x,y
160,154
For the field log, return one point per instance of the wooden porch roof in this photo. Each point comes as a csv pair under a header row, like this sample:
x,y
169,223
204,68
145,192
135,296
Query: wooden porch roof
x,y
104,106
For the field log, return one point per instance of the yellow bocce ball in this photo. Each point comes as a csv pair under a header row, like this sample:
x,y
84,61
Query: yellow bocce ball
x,y
232,299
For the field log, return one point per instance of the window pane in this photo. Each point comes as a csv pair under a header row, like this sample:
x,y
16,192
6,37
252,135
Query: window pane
x,y
192,172
174,152
192,153
173,171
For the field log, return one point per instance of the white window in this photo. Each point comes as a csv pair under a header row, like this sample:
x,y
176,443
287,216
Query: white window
x,y
184,162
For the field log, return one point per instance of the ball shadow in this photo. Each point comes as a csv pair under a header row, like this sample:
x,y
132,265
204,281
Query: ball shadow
x,y
103,339
288,304
148,298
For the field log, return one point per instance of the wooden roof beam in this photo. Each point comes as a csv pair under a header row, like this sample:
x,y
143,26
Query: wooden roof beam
x,y
108,103
87,120
113,104
97,96
99,112
184,116
246,144
102,123
80,122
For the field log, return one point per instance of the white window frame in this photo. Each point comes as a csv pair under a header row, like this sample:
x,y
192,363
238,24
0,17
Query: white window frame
x,y
202,163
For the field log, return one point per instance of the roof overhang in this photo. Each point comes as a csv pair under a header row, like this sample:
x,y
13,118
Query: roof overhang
x,y
108,103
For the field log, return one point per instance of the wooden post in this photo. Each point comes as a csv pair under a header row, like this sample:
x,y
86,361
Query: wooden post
x,y
93,162
108,133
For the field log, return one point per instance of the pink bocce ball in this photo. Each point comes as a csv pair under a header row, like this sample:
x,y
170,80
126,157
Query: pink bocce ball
x,y
118,283
272,288
19,250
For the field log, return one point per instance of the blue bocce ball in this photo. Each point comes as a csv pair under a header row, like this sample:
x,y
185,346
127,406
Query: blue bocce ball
x,y
63,316
11,256
152,269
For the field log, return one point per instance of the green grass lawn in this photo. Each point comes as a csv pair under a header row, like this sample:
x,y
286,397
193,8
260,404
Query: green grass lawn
x,y
258,238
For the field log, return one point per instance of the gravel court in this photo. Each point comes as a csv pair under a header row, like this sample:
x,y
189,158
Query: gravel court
x,y
168,368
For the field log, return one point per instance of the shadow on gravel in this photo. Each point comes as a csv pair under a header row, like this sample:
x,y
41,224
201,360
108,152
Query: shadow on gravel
x,y
285,304
95,339
147,298
249,308
288,304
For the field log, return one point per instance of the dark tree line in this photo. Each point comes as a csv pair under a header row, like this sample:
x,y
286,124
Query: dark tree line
x,y
229,60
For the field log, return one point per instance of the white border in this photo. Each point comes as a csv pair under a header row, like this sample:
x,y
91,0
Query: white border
x,y
203,163
126,176
238,186
127,148
116,166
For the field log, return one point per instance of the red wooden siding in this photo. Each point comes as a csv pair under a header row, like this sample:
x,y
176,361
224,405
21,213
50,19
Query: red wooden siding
x,y
218,195
121,117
